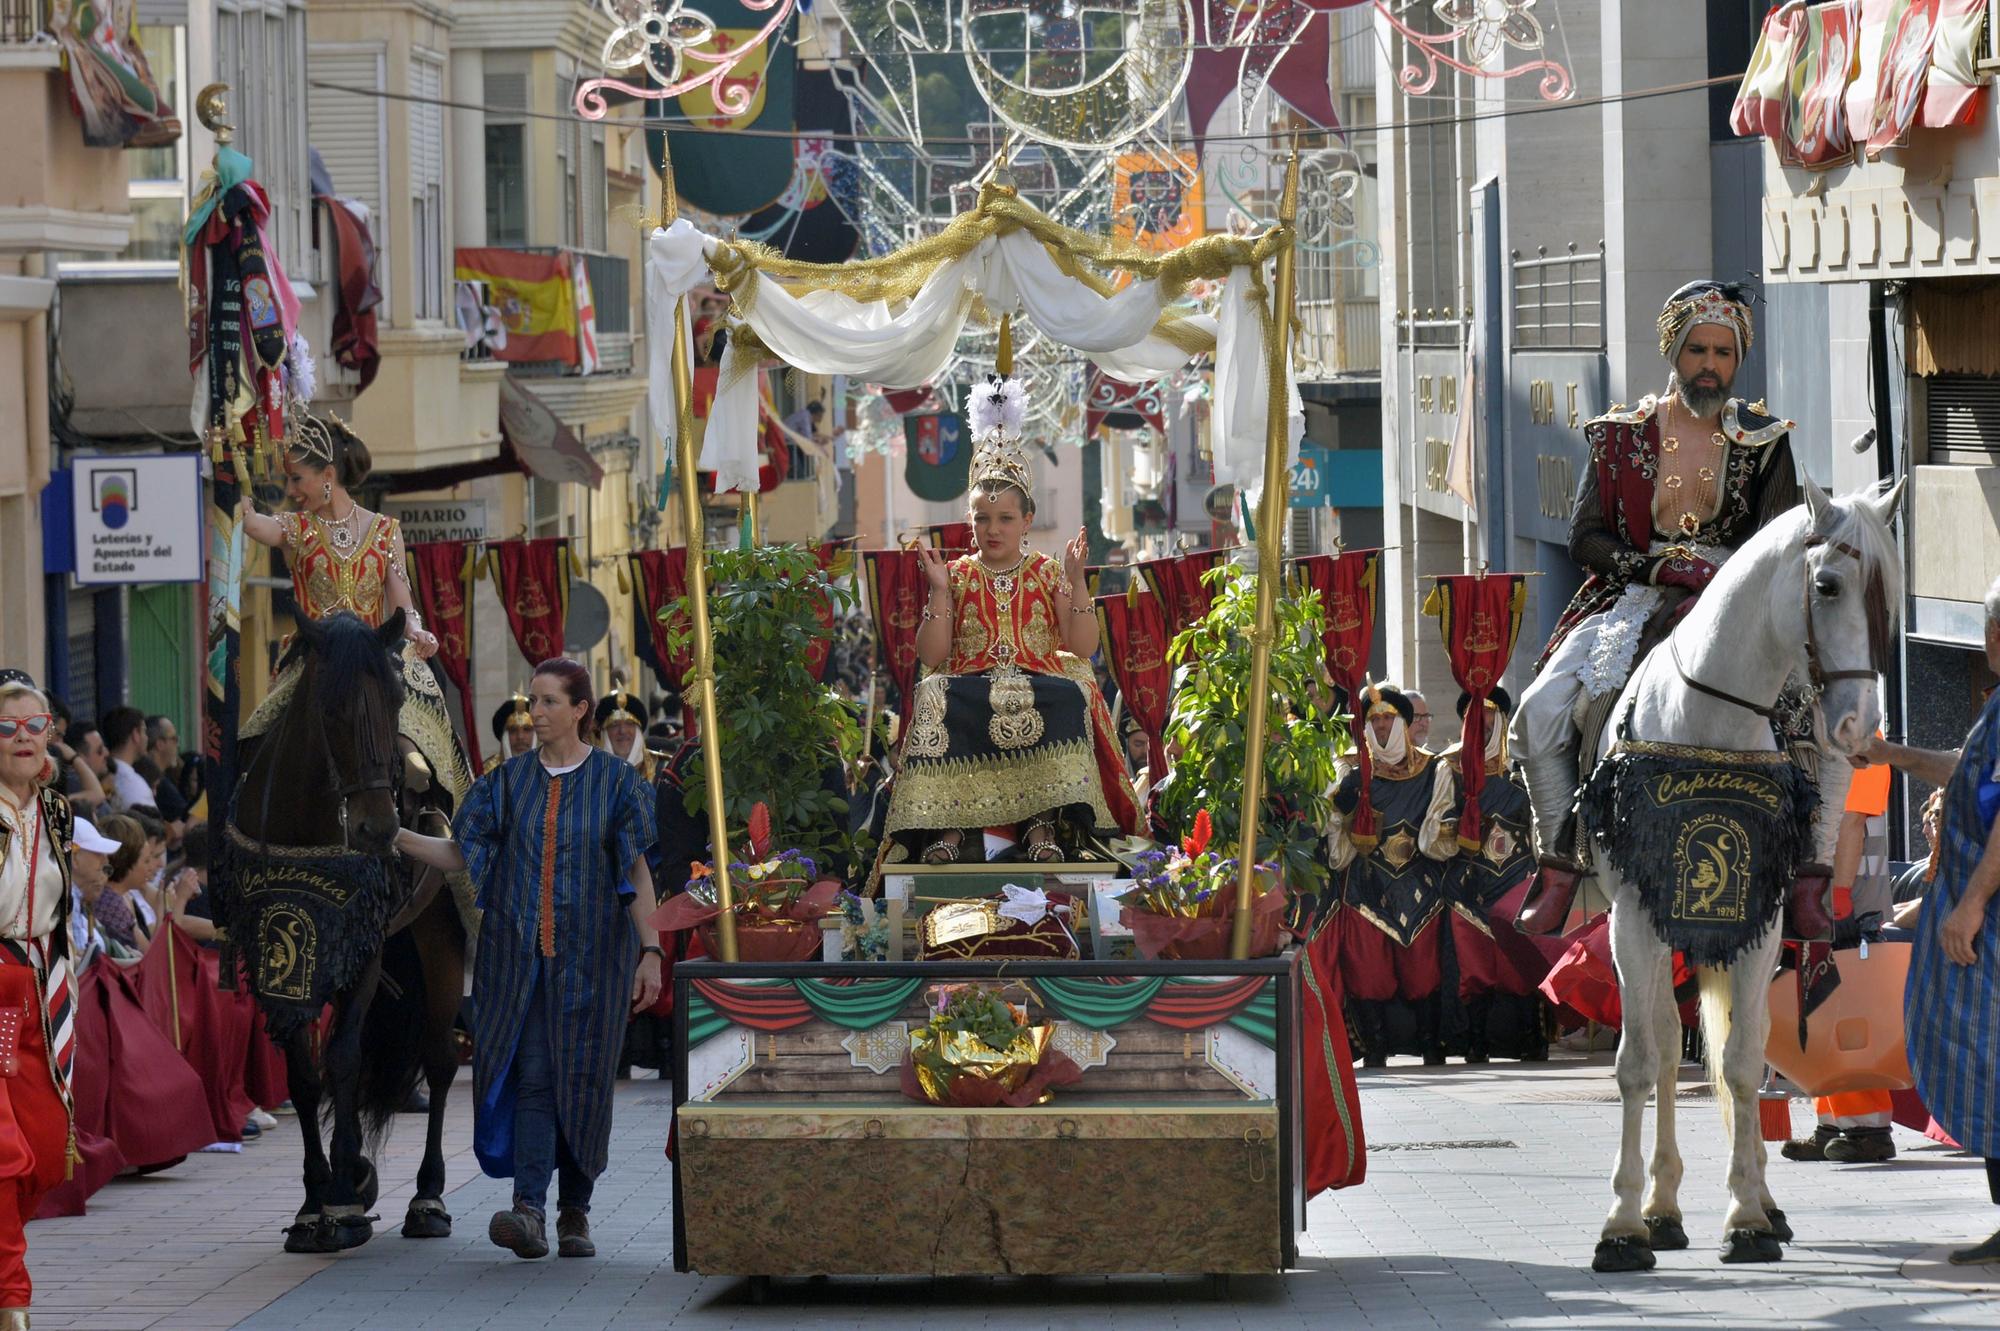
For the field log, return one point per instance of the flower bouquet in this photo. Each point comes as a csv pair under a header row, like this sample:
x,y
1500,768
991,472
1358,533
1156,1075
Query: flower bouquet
x,y
777,900
1182,903
979,1051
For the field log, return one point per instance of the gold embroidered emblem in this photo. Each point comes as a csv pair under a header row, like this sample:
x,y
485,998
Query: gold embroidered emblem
x,y
1399,849
1500,843
1712,871
1039,637
1015,723
928,737
289,954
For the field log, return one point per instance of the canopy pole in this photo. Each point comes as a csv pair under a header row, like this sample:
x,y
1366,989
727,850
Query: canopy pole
x,y
1270,555
697,591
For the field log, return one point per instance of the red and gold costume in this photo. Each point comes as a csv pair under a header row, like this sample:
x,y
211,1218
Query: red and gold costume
x,y
37,1022
325,582
1013,727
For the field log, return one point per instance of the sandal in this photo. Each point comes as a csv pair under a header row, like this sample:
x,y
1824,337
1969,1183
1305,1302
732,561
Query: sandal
x,y
1044,850
942,851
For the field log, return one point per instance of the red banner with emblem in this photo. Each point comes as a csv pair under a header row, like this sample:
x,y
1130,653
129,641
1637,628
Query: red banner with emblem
x,y
954,538
1136,637
821,649
659,578
897,592
1480,614
1349,586
441,574
534,590
1177,581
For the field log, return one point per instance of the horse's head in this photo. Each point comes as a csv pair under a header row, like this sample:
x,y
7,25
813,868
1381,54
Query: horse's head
x,y
1847,600
357,689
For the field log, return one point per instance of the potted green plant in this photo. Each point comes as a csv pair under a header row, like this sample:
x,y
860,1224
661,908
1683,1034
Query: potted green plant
x,y
1211,715
770,608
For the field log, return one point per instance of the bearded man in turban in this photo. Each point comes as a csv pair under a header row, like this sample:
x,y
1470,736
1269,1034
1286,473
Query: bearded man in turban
x,y
1673,486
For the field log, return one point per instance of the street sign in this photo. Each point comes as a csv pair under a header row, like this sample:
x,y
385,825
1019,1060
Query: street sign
x,y
138,518
1310,477
439,519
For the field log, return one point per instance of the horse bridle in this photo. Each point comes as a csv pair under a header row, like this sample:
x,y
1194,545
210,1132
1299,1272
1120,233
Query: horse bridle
x,y
344,790
1817,675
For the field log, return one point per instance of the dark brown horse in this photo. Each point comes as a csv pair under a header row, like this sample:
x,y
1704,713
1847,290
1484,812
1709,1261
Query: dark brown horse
x,y
325,918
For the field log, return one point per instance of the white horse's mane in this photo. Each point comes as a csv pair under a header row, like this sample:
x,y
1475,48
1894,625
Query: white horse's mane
x,y
1852,519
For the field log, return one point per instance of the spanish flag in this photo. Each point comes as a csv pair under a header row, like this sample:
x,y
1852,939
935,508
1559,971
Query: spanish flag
x,y
536,297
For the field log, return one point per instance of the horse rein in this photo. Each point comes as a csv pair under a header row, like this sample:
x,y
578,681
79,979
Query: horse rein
x,y
1816,672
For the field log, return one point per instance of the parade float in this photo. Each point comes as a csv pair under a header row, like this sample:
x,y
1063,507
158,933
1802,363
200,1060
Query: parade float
x,y
974,1034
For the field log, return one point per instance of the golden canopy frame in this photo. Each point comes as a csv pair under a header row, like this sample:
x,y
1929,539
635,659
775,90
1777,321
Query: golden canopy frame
x,y
739,266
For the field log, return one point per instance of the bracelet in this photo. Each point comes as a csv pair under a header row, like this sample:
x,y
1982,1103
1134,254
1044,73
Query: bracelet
x,y
655,949
1082,610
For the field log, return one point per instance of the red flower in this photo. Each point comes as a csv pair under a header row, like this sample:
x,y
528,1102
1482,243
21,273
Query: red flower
x,y
1203,830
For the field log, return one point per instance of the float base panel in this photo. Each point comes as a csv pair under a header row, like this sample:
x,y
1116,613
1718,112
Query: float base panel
x,y
1161,1190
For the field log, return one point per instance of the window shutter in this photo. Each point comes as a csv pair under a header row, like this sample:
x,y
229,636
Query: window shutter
x,y
1962,418
594,186
506,82
427,184
347,128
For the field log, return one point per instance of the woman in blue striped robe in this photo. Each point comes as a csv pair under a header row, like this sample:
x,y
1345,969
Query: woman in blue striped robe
x,y
1951,1007
555,842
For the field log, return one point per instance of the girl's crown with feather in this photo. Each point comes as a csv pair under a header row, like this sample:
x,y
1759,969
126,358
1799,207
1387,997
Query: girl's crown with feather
x,y
997,409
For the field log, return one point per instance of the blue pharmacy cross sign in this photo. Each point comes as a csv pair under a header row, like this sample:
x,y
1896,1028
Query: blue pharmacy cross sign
x,y
1312,478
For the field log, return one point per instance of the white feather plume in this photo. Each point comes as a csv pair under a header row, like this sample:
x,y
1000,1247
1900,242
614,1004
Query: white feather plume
x,y
300,369
998,406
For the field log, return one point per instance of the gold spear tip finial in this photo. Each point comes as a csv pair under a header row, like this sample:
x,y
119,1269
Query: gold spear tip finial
x,y
1288,202
211,107
670,198
1003,361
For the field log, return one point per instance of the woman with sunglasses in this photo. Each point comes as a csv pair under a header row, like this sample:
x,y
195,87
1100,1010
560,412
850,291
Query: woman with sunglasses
x,y
37,1016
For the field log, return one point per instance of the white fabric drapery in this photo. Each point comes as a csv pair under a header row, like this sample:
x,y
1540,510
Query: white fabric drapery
x,y
827,332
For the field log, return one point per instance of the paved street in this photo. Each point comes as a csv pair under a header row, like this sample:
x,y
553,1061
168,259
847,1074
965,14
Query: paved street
x,y
1484,1193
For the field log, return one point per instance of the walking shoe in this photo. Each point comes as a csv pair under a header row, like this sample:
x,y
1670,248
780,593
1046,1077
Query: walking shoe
x,y
1862,1146
520,1232
573,1234
1813,1147
263,1120
251,1130
1978,1254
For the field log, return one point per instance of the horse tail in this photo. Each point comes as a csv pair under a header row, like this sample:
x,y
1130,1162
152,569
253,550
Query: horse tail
x,y
1715,1021
392,1037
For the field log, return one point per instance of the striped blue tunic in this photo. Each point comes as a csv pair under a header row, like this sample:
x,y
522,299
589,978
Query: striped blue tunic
x,y
1951,1013
603,825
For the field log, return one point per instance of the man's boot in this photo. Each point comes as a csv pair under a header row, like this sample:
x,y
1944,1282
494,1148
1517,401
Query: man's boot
x,y
1862,1146
573,1233
1550,896
1478,1017
1429,1036
1813,1147
1374,1040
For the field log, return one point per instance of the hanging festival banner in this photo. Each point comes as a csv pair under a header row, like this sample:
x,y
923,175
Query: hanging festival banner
x,y
810,222
534,589
1156,200
1135,629
1122,406
1244,46
1177,581
1817,134
1349,588
535,296
1480,616
442,574
937,456
820,650
718,168
111,85
954,538
243,347
659,579
897,593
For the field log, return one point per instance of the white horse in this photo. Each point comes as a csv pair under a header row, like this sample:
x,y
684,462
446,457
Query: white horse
x,y
1802,580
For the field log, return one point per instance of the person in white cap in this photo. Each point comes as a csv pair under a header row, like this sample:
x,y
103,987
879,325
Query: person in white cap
x,y
89,851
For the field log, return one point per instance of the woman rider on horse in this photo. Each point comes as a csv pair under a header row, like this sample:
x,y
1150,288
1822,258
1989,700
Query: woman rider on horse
x,y
343,557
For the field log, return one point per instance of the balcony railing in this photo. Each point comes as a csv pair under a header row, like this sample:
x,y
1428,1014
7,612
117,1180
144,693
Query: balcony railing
x,y
1340,337
1559,300
21,21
